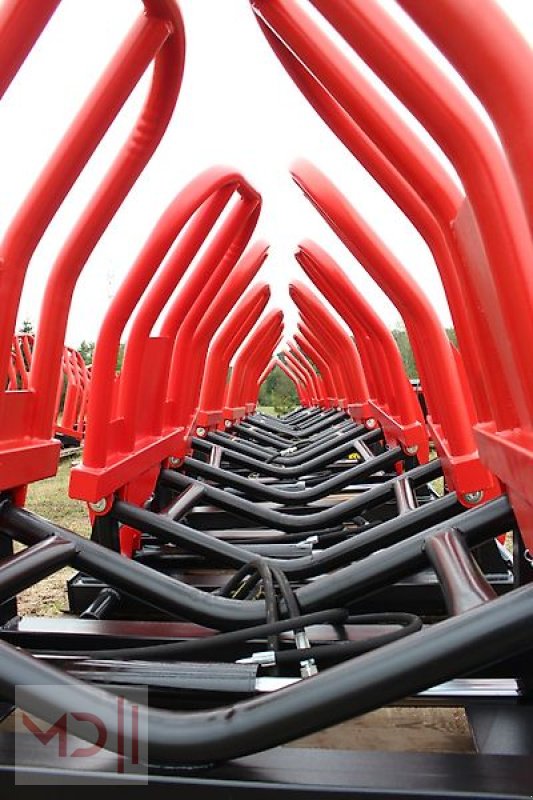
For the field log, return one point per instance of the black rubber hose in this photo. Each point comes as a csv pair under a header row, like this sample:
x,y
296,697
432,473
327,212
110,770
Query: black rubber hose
x,y
245,580
338,651
196,648
229,588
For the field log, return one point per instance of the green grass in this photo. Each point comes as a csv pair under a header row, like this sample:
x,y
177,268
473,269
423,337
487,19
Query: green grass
x,y
267,410
49,499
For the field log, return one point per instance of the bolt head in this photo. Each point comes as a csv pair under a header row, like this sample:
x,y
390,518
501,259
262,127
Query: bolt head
x,y
99,505
473,497
412,450
200,431
227,423
371,423
174,462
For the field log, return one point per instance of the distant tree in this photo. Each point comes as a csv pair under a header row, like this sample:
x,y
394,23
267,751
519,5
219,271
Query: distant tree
x,y
278,391
27,326
452,336
120,357
406,351
86,350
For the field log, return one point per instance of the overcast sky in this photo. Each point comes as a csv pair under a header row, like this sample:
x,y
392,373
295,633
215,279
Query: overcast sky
x,y
237,107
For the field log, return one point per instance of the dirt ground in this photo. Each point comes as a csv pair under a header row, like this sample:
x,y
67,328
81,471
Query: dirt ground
x,y
49,498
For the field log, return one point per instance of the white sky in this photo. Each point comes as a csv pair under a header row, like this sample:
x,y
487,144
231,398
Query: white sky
x,y
237,107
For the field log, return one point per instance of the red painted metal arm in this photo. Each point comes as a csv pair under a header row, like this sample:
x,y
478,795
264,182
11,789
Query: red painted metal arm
x,y
313,346
358,114
349,362
324,343
224,346
121,444
394,397
300,373
219,309
481,46
157,36
255,365
494,207
303,361
451,429
268,326
21,24
255,372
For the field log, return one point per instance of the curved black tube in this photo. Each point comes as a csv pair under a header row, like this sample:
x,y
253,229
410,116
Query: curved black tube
x,y
256,465
272,518
262,491
459,645
179,599
337,555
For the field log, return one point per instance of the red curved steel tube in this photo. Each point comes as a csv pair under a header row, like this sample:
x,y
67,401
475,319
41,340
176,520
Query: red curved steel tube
x,y
481,46
495,47
312,346
424,191
350,366
158,36
226,299
494,208
254,369
313,377
323,376
394,406
300,372
451,427
21,24
119,450
323,341
222,349
266,331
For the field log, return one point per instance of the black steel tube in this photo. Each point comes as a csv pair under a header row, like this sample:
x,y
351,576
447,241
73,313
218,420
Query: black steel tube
x,y
249,432
105,601
438,653
262,467
231,444
271,492
340,512
306,428
185,502
296,567
179,599
22,570
463,584
310,451
402,559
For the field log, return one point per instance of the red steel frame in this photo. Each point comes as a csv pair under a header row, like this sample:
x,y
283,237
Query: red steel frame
x,y
347,363
306,364
221,352
251,360
493,46
127,441
449,421
392,400
71,420
29,452
353,98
